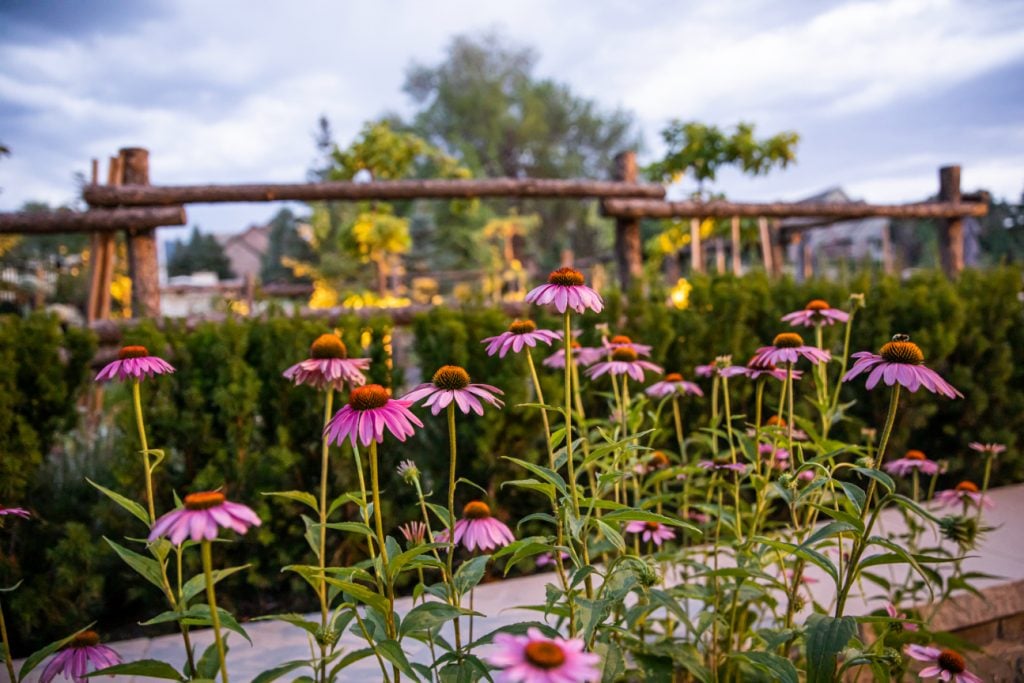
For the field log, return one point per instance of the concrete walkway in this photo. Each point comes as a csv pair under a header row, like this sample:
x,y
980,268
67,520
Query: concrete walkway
x,y
1000,554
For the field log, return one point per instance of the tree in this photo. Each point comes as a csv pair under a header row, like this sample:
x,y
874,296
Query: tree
x,y
283,242
484,105
200,253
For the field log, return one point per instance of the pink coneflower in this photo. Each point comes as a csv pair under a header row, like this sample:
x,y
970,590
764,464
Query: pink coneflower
x,y
756,369
894,613
624,362
546,559
328,365
900,361
816,312
913,460
520,334
204,514
80,656
535,658
621,341
789,347
704,370
408,471
965,493
369,411
777,457
697,517
946,665
451,383
477,529
806,475
673,384
17,512
654,532
778,425
565,289
414,532
723,466
134,362
987,449
582,356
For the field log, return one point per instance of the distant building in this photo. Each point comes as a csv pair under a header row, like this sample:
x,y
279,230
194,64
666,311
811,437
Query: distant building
x,y
245,250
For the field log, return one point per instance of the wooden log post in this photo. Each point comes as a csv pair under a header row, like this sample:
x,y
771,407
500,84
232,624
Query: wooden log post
x,y
737,247
629,257
696,254
719,255
143,265
888,263
951,230
766,245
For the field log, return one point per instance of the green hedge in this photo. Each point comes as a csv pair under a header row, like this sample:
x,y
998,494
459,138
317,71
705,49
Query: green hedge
x,y
227,417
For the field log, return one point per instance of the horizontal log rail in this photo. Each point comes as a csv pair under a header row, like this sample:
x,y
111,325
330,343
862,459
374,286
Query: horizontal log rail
x,y
160,195
93,220
641,208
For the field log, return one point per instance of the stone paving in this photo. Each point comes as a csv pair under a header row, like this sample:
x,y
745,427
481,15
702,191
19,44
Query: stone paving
x,y
1001,554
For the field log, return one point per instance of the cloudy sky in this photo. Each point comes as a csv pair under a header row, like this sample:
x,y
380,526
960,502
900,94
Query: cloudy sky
x,y
882,93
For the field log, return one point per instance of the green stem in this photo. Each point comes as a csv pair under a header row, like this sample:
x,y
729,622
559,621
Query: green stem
x,y
452,455
211,599
389,618
732,457
861,541
842,369
984,483
568,415
137,398
7,646
324,460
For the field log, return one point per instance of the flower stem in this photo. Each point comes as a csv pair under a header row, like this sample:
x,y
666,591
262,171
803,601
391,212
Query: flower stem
x,y
137,398
842,370
6,644
732,457
568,415
678,420
324,460
452,455
211,599
389,618
860,542
984,483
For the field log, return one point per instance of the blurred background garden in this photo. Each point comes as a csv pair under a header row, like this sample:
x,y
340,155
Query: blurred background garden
x,y
417,283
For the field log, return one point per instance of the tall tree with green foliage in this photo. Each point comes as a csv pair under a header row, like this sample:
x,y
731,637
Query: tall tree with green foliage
x,y
485,105
200,253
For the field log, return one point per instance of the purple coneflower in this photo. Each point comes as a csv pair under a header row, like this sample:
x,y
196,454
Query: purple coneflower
x,y
328,365
535,658
987,449
620,341
134,362
778,458
451,383
894,613
565,289
654,532
697,517
17,512
673,384
966,493
624,362
414,532
778,424
913,460
83,654
723,466
369,411
816,312
520,334
788,347
946,665
756,369
204,514
900,360
582,356
545,559
477,529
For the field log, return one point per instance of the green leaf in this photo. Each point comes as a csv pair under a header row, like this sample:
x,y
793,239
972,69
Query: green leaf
x,y
126,503
197,584
612,534
634,515
470,573
151,668
426,616
209,664
361,593
546,474
38,656
826,637
147,567
310,627
881,477
811,556
392,651
278,671
354,527
830,529
779,668
297,496
855,494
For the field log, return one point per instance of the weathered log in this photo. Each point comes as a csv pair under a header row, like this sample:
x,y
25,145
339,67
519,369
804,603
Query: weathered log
x,y
93,220
645,208
951,230
143,265
160,195
629,255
